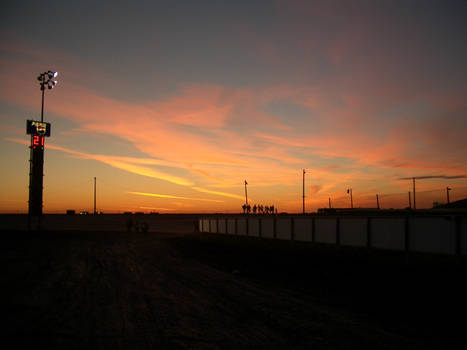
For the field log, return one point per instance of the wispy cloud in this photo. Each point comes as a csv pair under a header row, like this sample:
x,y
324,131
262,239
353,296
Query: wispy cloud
x,y
206,136
123,163
217,193
156,208
434,177
174,197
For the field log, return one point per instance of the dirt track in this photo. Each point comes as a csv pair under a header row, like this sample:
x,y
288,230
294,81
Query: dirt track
x,y
135,291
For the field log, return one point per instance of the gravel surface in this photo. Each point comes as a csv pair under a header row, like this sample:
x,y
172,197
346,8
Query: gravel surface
x,y
94,290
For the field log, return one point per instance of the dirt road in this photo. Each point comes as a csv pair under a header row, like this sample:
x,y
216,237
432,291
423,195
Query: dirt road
x,y
134,291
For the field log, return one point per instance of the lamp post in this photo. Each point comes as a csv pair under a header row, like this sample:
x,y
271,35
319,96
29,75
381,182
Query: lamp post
x,y
414,204
46,79
95,211
349,191
246,193
447,192
38,132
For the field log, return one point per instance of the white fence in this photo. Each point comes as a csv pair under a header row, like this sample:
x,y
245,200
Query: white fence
x,y
430,234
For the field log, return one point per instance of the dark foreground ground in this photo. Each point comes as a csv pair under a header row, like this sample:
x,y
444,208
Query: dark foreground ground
x,y
76,290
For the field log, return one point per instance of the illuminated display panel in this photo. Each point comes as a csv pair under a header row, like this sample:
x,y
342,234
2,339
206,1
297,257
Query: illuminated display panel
x,y
34,127
37,141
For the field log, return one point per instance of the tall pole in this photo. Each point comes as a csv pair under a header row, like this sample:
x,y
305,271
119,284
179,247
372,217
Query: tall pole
x,y
36,165
447,193
377,201
414,205
329,199
246,193
42,108
410,201
349,190
303,190
95,212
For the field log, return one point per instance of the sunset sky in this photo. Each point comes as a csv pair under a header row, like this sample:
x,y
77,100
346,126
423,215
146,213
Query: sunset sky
x,y
172,105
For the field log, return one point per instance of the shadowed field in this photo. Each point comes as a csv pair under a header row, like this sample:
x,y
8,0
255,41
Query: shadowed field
x,y
94,290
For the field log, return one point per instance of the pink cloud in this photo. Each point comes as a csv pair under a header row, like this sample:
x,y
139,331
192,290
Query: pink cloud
x,y
219,135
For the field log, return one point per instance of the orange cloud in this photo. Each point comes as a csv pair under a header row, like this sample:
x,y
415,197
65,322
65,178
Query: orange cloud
x,y
216,135
174,197
217,193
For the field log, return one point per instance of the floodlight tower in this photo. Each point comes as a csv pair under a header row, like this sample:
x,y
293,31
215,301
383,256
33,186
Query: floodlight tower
x,y
38,131
46,79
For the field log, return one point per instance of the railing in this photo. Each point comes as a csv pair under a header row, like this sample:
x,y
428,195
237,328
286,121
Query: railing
x,y
430,234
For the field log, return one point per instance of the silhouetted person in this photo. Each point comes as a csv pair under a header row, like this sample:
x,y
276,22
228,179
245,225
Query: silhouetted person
x,y
244,208
248,208
254,209
271,209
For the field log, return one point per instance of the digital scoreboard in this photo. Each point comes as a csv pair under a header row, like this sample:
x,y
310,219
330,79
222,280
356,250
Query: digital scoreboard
x,y
38,131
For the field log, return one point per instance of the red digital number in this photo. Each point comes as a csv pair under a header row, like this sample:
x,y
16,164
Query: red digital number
x,y
38,141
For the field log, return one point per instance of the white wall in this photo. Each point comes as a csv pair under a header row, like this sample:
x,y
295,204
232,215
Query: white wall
x,y
388,233
302,228
213,227
253,227
426,234
221,226
231,226
267,227
434,235
353,231
241,226
283,228
325,230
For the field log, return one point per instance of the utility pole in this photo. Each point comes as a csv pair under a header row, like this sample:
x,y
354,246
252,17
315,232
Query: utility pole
x,y
377,201
303,191
329,199
414,205
447,192
246,193
351,198
95,212
410,201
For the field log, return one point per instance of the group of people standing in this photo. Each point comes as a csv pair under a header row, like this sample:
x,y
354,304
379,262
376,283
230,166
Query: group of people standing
x,y
258,209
